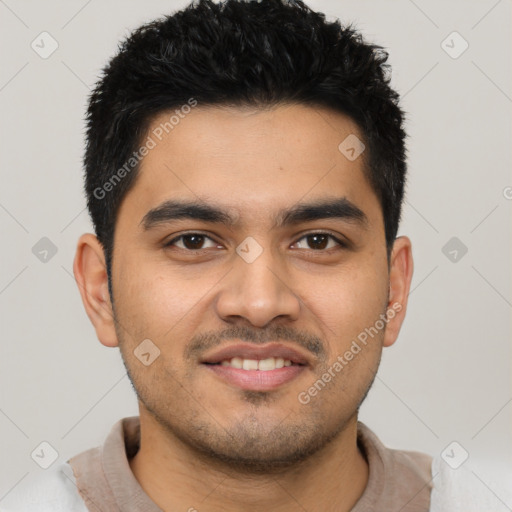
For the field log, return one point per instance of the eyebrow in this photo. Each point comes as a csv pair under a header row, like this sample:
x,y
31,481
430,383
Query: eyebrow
x,y
340,208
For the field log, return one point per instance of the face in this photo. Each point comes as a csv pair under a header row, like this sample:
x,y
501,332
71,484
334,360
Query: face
x,y
252,274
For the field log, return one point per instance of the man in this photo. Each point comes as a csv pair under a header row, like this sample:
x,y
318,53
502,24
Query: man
x,y
245,170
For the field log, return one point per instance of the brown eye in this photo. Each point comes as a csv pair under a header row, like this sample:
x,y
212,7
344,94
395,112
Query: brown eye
x,y
320,241
191,241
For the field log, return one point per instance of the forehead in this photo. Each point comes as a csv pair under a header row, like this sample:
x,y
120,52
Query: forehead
x,y
251,160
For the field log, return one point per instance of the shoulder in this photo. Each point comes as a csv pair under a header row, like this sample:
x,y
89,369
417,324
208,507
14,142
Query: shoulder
x,y
396,466
53,490
398,479
417,464
408,479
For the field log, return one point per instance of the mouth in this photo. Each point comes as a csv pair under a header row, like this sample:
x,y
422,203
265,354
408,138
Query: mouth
x,y
262,365
255,368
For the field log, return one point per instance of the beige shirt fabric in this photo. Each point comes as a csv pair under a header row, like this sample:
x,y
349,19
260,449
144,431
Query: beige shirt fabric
x,y
398,480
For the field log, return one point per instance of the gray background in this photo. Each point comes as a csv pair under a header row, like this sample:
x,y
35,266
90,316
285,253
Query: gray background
x,y
448,376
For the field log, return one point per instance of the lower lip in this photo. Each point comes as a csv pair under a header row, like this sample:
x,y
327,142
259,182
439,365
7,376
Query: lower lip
x,y
256,380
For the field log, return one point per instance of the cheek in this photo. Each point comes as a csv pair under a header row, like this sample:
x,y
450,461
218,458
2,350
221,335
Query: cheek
x,y
159,302
348,302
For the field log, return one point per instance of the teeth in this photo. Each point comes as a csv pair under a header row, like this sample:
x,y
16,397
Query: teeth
x,y
236,362
253,364
266,364
250,364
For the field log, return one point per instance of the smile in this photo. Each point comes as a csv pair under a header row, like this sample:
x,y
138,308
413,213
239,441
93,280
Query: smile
x,y
255,375
270,363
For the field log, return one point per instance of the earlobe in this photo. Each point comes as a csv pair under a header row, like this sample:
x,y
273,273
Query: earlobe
x,y
90,273
400,277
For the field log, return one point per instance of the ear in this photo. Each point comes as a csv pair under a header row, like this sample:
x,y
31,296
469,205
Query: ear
x,y
400,276
90,272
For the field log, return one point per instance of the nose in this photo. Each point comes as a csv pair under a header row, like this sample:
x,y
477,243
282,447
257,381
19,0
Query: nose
x,y
259,292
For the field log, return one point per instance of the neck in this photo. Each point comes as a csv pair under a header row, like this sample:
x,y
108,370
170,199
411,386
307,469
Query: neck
x,y
175,478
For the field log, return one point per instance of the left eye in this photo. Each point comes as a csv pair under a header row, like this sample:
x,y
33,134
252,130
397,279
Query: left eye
x,y
320,241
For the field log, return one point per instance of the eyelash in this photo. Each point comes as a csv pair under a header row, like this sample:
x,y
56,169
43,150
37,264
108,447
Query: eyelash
x,y
343,245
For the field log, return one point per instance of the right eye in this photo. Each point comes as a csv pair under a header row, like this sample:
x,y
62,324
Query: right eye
x,y
191,242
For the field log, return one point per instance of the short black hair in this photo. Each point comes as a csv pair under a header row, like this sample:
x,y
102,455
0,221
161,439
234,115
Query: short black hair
x,y
241,53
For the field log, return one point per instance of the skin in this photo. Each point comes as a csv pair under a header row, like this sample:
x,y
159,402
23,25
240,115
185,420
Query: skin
x,y
206,444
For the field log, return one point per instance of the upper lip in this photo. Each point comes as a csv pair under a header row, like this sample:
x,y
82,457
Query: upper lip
x,y
251,351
